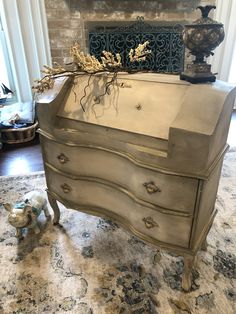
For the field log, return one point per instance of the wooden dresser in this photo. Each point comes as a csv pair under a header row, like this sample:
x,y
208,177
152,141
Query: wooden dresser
x,y
147,154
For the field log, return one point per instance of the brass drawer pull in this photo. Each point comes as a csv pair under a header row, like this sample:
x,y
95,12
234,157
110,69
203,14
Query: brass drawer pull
x,y
150,223
62,158
66,188
151,187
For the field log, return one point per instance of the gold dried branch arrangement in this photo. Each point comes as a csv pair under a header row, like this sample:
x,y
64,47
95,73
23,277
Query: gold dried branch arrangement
x,y
140,53
89,64
47,81
86,63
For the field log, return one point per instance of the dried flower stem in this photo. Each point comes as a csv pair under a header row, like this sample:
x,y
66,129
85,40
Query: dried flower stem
x,y
90,64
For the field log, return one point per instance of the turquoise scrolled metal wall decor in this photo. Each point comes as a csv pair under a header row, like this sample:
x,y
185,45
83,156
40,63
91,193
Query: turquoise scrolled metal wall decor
x,y
165,42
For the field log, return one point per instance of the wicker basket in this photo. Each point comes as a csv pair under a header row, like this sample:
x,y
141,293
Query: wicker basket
x,y
21,135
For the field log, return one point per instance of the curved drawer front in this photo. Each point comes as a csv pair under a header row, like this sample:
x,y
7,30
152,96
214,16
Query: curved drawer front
x,y
169,191
120,205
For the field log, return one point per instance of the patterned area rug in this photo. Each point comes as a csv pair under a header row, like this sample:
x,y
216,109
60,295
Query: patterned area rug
x,y
91,265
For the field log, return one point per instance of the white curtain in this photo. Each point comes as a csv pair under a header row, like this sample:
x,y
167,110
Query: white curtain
x,y
4,77
224,60
25,27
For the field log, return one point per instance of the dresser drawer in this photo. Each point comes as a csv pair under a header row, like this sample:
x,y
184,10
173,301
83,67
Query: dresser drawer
x,y
169,191
120,205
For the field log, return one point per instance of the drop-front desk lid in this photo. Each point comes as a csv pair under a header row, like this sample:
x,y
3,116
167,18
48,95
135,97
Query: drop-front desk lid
x,y
142,103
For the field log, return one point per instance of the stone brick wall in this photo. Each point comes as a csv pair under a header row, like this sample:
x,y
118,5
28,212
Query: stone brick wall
x,y
68,19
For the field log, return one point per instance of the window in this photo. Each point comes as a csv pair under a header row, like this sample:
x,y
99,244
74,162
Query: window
x,y
25,44
6,79
232,72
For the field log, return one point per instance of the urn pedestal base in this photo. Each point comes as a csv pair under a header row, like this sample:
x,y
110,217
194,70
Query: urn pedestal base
x,y
197,73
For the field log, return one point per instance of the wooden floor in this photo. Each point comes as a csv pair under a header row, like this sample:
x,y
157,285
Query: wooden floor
x,y
22,159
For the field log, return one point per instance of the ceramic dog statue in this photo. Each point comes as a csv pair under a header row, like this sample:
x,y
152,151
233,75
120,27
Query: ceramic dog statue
x,y
24,215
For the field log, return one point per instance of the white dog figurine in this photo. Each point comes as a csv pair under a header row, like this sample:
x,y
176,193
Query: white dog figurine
x,y
25,214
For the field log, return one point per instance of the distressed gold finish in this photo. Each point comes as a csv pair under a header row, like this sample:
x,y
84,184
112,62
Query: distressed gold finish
x,y
155,171
164,210
138,162
101,212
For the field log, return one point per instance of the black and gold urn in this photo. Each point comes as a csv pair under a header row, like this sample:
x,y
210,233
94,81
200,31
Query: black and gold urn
x,y
201,37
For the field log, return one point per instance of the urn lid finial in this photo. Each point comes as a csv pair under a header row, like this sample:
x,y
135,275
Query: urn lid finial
x,y
205,19
206,9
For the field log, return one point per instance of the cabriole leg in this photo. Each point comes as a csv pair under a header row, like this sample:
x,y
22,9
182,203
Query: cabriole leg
x,y
187,275
204,245
56,210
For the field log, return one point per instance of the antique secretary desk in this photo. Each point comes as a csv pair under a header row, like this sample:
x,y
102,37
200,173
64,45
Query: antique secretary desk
x,y
147,155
